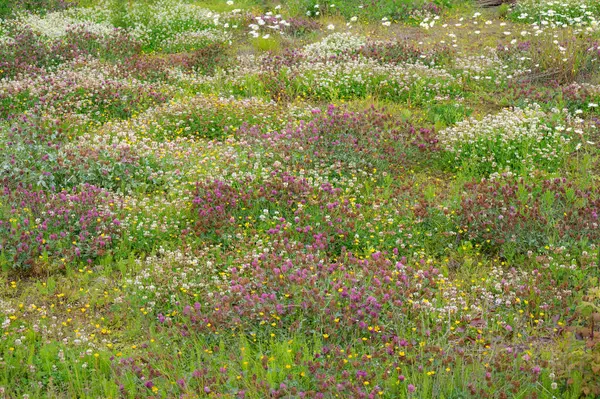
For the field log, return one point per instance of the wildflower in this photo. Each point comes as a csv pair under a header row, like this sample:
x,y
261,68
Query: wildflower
x,y
411,388
331,27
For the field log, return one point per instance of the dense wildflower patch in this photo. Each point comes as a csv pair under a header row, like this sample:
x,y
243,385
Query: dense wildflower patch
x,y
333,199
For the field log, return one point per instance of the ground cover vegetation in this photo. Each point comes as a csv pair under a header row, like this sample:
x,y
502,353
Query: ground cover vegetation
x,y
299,199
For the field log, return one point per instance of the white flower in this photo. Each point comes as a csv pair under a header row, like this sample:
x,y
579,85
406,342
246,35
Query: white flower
x,y
386,23
592,105
230,2
330,27
353,19
266,36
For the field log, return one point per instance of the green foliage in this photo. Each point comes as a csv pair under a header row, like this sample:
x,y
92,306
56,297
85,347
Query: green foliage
x,y
356,207
9,7
396,10
118,10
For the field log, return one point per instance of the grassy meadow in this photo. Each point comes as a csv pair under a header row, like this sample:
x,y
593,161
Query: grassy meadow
x,y
299,199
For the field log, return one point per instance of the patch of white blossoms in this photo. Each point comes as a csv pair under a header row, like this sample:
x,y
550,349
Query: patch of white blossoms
x,y
507,124
55,25
511,139
335,44
563,13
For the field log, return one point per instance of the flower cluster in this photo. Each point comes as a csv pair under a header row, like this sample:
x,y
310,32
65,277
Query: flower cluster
x,y
511,140
564,13
312,200
56,227
509,213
